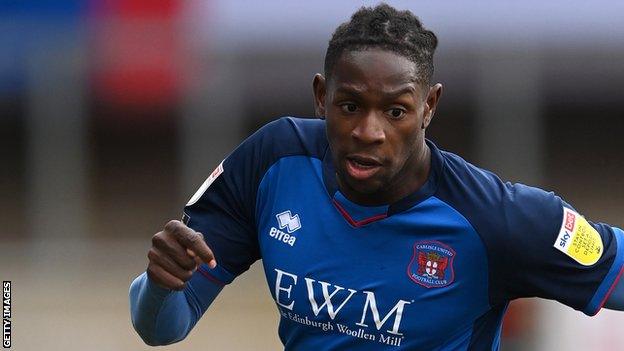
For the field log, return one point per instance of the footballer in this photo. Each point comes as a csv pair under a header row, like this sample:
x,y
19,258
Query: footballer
x,y
371,237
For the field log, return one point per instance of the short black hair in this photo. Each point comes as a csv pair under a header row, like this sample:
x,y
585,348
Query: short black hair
x,y
386,28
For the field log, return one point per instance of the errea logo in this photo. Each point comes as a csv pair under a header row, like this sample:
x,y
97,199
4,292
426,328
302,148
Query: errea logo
x,y
285,220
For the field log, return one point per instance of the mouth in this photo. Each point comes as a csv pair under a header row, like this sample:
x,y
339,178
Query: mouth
x,y
362,167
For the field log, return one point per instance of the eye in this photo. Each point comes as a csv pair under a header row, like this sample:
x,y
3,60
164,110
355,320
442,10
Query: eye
x,y
348,108
396,113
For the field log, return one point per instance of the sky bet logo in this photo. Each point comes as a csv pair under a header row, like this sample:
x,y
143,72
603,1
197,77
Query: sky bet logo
x,y
286,220
564,239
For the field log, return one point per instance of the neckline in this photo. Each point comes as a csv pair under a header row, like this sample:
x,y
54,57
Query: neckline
x,y
359,215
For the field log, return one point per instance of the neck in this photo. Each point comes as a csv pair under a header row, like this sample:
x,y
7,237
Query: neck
x,y
413,176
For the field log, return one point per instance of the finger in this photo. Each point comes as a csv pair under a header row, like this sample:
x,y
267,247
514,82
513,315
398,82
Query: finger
x,y
172,248
168,264
193,240
205,253
163,279
198,260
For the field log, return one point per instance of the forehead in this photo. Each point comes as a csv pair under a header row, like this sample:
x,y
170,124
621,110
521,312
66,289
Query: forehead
x,y
374,69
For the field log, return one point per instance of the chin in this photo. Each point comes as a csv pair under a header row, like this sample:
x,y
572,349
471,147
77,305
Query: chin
x,y
365,188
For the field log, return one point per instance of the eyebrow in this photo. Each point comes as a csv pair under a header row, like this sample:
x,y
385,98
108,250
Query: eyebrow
x,y
349,90
345,89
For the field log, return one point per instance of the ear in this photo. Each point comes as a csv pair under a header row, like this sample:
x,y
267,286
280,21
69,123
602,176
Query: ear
x,y
433,97
318,87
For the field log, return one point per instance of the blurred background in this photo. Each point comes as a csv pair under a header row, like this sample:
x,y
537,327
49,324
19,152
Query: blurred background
x,y
114,112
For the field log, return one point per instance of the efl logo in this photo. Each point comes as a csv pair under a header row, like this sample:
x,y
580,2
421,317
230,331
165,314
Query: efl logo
x,y
6,314
202,189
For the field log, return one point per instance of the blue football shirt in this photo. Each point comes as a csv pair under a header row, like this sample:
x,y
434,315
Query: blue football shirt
x,y
433,271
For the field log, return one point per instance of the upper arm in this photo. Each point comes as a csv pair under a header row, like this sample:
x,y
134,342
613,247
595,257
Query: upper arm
x,y
224,208
537,245
223,212
555,253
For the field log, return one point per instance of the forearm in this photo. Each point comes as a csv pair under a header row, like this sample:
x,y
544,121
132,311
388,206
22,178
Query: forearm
x,y
161,316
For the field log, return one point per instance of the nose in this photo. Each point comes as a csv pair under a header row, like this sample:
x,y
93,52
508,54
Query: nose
x,y
369,129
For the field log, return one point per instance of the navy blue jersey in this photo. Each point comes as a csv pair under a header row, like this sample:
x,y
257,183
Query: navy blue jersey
x,y
433,271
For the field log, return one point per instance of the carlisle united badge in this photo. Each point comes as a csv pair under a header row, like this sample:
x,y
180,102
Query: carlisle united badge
x,y
432,264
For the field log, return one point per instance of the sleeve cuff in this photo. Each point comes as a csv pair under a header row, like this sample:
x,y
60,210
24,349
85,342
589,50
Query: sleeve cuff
x,y
611,279
219,275
156,289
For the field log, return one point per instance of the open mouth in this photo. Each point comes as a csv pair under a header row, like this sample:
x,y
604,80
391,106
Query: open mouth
x,y
362,168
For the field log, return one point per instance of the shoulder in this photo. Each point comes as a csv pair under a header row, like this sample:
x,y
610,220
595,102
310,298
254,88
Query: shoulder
x,y
516,223
469,189
483,190
288,136
461,177
283,137
495,207
245,167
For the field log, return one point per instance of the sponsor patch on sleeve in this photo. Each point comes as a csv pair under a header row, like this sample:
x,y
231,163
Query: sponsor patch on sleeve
x,y
202,189
578,239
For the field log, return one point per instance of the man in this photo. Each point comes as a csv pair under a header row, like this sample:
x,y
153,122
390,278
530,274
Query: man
x,y
371,237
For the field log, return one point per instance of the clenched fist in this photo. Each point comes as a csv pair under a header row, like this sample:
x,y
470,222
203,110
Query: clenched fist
x,y
175,254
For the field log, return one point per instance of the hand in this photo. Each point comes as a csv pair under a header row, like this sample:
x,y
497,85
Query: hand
x,y
175,254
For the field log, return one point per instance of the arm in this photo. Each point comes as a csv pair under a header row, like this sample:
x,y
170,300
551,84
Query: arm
x,y
574,261
183,278
168,300
162,316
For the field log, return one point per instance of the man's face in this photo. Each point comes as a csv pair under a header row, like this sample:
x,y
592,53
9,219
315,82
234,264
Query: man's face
x,y
376,115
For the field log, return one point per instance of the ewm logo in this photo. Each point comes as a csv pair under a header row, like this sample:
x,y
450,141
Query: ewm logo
x,y
333,299
285,220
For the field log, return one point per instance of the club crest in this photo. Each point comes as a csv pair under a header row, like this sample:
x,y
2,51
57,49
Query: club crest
x,y
432,264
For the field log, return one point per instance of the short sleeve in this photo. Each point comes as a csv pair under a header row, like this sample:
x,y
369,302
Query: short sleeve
x,y
220,210
223,209
551,251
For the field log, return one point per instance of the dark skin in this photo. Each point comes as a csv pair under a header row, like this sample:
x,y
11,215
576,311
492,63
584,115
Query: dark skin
x,y
175,254
377,112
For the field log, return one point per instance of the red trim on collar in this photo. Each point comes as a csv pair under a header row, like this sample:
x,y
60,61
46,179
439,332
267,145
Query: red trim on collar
x,y
352,221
